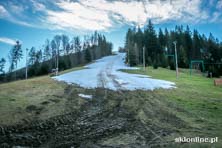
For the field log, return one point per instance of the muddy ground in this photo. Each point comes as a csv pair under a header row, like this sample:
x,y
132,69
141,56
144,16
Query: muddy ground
x,y
111,119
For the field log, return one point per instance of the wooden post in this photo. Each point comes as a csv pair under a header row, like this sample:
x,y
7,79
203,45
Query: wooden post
x,y
177,72
57,63
26,69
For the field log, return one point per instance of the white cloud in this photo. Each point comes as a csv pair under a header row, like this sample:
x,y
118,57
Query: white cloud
x,y
106,14
215,17
103,14
16,8
38,6
3,12
6,15
219,5
77,16
7,40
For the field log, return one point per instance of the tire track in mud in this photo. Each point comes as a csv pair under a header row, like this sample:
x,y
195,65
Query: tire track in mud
x,y
93,123
119,88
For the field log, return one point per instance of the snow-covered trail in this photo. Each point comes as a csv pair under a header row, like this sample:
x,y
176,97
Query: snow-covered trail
x,y
104,73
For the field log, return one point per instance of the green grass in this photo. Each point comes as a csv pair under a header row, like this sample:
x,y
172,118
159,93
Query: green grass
x,y
199,102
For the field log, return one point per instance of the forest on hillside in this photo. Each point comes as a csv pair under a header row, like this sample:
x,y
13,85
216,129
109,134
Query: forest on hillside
x,y
159,48
60,52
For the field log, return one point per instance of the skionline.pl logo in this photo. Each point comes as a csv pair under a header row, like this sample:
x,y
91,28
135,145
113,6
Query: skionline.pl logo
x,y
196,140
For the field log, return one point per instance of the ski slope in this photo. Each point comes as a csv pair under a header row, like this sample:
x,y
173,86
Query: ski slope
x,y
105,73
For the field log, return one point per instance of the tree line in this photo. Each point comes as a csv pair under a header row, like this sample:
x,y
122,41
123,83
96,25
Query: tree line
x,y
61,52
159,48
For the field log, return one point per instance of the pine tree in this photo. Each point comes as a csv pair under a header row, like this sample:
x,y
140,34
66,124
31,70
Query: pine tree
x,y
188,44
183,60
128,44
133,55
151,43
189,47
196,46
77,48
140,44
167,38
162,39
88,57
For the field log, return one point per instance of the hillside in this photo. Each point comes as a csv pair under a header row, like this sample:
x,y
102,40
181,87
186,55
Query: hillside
x,y
56,116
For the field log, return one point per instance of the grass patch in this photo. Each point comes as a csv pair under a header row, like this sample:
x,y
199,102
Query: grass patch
x,y
195,100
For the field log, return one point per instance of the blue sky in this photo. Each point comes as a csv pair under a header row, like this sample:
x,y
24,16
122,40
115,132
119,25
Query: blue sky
x,y
33,21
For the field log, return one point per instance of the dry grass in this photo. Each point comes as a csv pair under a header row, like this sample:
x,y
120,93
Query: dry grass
x,y
35,98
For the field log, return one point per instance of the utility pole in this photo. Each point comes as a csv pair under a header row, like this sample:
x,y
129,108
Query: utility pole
x,y
144,64
26,69
175,44
57,63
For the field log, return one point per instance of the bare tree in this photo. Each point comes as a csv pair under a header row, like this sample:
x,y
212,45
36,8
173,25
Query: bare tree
x,y
65,42
32,56
53,48
47,51
57,39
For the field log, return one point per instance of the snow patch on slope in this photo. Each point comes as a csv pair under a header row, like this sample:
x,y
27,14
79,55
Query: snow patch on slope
x,y
105,73
85,96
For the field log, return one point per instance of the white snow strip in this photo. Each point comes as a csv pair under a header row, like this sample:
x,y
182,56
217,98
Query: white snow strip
x,y
85,96
105,73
